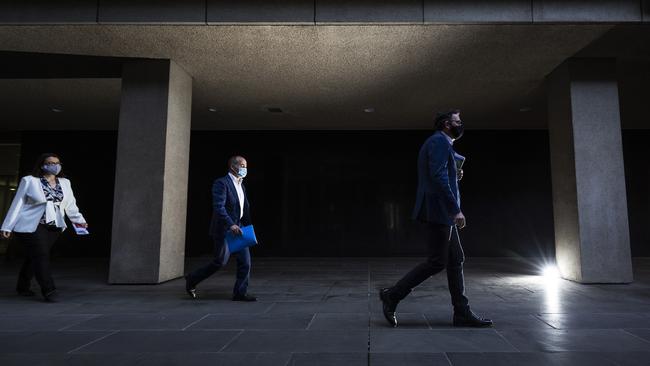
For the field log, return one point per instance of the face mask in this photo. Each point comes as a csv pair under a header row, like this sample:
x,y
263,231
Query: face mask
x,y
242,172
53,169
456,131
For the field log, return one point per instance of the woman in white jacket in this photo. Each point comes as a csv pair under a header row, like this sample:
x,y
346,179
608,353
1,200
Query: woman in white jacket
x,y
37,217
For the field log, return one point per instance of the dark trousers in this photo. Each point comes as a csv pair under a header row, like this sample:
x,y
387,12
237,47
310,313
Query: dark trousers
x,y
444,251
221,256
37,258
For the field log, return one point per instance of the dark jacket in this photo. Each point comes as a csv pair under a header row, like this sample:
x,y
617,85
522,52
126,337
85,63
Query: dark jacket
x,y
438,198
225,207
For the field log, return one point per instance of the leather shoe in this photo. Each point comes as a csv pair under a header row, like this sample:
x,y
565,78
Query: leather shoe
x,y
190,289
51,296
388,307
469,319
244,297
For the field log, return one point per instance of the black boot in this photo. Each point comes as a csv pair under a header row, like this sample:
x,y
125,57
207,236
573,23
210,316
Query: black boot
x,y
51,296
466,318
244,297
389,306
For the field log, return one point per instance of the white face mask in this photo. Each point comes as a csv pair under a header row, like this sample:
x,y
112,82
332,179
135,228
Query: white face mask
x,y
242,172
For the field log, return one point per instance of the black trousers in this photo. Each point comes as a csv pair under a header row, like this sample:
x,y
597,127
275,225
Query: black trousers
x,y
444,251
37,258
221,256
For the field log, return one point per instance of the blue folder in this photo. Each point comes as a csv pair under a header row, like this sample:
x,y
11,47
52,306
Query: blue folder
x,y
238,242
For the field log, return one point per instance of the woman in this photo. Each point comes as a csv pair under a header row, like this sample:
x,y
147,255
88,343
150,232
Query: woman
x,y
37,216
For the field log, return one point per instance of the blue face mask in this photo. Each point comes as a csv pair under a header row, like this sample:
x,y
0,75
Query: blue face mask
x,y
242,172
53,169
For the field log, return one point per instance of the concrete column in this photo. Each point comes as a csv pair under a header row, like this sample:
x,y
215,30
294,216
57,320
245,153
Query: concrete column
x,y
148,244
589,200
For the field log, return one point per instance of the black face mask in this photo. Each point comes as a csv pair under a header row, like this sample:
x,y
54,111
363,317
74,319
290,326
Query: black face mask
x,y
456,131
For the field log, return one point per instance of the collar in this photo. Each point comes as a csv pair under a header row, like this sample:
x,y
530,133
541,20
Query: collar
x,y
235,179
451,140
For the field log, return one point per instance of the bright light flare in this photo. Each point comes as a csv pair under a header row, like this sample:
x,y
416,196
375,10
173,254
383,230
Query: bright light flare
x,y
551,272
550,277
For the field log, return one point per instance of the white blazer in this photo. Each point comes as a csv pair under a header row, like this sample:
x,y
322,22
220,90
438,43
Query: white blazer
x,y
30,204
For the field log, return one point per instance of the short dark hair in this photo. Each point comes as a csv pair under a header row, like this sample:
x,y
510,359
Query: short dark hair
x,y
233,159
443,117
38,167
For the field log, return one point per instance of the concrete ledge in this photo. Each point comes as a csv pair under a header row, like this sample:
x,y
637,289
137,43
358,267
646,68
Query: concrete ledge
x,y
260,11
379,11
472,11
151,11
48,12
212,12
586,11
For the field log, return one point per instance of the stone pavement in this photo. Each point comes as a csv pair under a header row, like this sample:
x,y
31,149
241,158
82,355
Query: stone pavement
x,y
325,311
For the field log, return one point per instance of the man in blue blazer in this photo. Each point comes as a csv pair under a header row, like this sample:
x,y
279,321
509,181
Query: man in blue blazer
x,y
230,211
437,205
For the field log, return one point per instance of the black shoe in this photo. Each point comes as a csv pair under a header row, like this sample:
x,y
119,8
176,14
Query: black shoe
x,y
469,319
190,289
388,307
27,292
245,297
51,296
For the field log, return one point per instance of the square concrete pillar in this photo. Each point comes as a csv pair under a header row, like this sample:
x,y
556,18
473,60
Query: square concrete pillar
x,y
150,204
592,240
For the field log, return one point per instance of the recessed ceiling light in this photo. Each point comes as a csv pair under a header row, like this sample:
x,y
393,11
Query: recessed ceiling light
x,y
274,110
212,109
56,109
369,110
525,109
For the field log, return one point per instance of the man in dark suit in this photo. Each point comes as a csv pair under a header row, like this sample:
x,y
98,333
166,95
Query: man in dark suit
x,y
230,211
438,206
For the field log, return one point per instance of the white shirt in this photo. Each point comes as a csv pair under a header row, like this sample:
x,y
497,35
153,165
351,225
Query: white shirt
x,y
240,192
